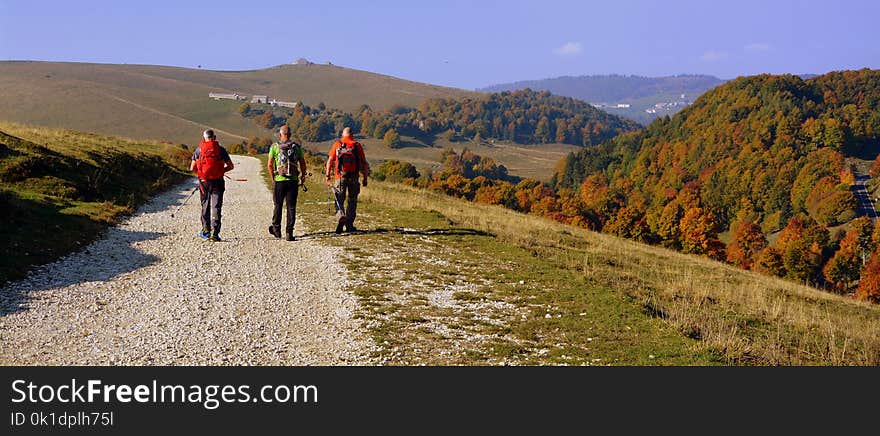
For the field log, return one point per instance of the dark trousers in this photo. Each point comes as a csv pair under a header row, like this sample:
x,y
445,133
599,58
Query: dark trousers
x,y
211,194
347,189
285,191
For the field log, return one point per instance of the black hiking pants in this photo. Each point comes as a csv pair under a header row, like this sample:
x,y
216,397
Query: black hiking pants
x,y
285,191
211,194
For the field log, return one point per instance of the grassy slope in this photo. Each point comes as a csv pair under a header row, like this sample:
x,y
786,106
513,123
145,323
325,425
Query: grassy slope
x,y
444,281
61,188
170,103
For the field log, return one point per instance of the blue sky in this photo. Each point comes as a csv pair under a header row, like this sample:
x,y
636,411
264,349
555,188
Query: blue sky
x,y
455,43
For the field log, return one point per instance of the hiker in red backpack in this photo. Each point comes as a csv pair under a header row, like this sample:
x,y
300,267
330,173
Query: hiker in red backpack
x,y
210,162
345,161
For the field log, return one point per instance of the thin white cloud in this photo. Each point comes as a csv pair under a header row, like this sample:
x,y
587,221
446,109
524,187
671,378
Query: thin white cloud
x,y
713,56
757,47
569,49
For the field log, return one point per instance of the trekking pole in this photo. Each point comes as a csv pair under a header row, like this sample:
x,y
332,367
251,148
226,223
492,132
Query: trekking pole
x,y
237,180
185,201
339,210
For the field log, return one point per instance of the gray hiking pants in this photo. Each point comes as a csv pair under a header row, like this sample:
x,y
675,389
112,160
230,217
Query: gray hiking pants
x,y
348,188
211,194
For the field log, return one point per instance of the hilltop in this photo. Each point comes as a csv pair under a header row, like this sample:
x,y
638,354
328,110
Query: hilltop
x,y
172,104
636,97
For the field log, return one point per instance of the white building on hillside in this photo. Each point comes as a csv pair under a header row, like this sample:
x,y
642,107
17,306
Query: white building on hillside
x,y
260,99
222,96
290,104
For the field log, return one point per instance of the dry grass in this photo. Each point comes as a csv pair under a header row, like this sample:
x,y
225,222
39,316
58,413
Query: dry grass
x,y
744,317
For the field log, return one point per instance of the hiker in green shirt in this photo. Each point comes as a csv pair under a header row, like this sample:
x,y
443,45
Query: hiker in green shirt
x,y
287,163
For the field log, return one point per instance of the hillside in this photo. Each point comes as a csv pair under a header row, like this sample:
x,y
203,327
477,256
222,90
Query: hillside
x,y
753,157
61,188
661,95
445,281
170,103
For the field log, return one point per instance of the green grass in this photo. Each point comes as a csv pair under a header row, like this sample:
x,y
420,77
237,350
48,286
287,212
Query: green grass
x,y
60,189
443,281
435,291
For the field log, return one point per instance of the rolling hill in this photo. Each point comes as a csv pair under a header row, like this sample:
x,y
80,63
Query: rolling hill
x,y
169,103
608,91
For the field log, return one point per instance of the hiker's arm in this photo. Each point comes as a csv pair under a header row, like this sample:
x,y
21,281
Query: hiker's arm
x,y
365,168
229,166
192,166
270,165
302,170
331,161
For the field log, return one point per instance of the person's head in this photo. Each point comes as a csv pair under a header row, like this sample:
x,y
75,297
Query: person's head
x,y
346,132
209,135
284,132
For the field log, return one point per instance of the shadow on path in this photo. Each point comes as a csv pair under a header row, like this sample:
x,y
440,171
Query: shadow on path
x,y
100,262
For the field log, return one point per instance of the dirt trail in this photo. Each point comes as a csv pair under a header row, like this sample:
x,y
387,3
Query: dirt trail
x,y
151,292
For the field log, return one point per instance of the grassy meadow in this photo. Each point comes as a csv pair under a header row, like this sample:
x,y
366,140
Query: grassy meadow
x,y
445,281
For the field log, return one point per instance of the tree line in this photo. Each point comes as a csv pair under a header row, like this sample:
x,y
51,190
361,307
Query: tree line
x,y
523,116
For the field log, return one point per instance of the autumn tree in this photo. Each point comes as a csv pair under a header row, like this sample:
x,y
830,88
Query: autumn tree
x,y
748,241
699,234
391,139
869,284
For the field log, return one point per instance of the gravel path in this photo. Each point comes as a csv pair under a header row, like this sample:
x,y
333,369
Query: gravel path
x,y
150,292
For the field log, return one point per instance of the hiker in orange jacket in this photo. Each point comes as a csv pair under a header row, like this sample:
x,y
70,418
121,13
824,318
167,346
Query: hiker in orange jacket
x,y
211,162
346,160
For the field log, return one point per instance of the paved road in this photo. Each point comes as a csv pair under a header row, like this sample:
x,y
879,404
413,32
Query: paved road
x,y
866,205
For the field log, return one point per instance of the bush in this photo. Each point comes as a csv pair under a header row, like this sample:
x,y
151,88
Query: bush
x,y
391,139
395,171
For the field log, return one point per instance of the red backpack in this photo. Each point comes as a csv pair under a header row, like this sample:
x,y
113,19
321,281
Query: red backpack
x,y
210,165
347,159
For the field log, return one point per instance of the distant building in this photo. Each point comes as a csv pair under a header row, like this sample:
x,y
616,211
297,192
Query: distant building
x,y
222,96
260,99
622,105
290,104
302,61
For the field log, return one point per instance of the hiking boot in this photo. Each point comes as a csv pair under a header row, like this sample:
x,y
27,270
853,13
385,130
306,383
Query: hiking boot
x,y
274,232
215,238
204,234
350,228
339,227
290,237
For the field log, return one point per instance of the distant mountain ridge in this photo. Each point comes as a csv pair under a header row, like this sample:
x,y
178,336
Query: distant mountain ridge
x,y
659,95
